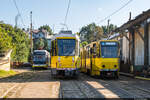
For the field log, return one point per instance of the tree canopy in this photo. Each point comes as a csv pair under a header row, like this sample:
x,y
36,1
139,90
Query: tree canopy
x,y
47,28
40,44
15,39
91,32
111,28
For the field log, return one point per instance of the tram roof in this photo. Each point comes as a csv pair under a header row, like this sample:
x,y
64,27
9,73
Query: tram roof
x,y
65,35
40,51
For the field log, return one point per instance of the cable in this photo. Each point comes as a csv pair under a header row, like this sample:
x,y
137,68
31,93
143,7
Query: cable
x,y
67,12
19,12
115,11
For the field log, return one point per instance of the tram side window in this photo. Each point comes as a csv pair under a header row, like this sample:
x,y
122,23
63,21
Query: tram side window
x,y
52,49
55,49
77,49
88,52
94,50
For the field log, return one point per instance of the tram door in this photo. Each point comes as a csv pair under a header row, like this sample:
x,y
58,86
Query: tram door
x,y
94,55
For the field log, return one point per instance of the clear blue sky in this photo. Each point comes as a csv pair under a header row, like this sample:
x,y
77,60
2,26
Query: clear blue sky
x,y
82,12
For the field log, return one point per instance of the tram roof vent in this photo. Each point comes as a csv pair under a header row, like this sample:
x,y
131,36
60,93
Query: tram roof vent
x,y
65,32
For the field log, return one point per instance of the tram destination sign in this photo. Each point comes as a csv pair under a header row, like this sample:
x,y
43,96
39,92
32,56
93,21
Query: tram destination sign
x,y
109,43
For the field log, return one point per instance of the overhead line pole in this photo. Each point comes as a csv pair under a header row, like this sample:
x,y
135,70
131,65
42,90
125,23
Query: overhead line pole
x,y
31,42
67,13
108,30
19,12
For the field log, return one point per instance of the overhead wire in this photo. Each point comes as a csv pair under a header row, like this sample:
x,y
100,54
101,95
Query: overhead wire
x,y
67,13
115,12
14,1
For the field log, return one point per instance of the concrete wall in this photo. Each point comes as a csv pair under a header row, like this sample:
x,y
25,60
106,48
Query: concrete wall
x,y
5,62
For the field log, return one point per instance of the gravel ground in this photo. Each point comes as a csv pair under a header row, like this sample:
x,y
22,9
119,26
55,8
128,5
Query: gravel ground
x,y
40,84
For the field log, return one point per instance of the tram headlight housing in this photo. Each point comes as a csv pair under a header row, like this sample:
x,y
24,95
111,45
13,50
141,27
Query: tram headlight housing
x,y
58,59
103,66
115,66
73,59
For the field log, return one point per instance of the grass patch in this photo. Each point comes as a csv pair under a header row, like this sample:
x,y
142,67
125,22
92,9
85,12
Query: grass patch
x,y
7,73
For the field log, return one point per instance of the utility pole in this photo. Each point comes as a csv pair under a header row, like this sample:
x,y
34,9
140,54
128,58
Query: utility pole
x,y
16,19
129,16
108,30
53,28
31,42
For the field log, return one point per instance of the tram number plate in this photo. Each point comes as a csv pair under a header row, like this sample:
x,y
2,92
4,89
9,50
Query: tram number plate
x,y
108,73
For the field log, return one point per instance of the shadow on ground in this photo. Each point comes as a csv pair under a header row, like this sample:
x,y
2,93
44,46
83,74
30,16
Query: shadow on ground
x,y
90,87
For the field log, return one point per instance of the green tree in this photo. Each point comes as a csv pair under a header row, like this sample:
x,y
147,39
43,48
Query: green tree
x,y
83,44
5,40
21,47
111,28
15,39
90,33
40,44
78,33
47,28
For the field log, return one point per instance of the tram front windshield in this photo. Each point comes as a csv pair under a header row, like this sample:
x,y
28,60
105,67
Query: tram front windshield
x,y
66,47
39,57
109,49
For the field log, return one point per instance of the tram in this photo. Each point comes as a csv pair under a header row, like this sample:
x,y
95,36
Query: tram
x,y
41,58
101,58
65,59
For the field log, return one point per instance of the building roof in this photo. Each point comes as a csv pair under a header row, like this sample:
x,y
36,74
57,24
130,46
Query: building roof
x,y
138,19
37,31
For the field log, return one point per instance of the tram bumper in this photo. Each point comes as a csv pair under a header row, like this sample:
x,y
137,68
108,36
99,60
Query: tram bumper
x,y
66,71
70,71
108,72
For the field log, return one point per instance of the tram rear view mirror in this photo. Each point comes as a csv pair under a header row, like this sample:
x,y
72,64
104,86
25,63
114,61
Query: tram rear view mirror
x,y
91,50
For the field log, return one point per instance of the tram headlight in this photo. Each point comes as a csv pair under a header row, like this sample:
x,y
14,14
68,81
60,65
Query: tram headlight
x,y
73,59
58,59
103,66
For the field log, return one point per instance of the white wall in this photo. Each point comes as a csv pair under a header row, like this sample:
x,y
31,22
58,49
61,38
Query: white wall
x,y
149,43
125,49
139,48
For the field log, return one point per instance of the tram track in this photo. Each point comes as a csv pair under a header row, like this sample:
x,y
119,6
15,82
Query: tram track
x,y
129,88
126,90
135,87
83,87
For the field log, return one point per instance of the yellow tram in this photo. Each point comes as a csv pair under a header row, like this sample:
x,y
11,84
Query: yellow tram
x,y
65,59
101,58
